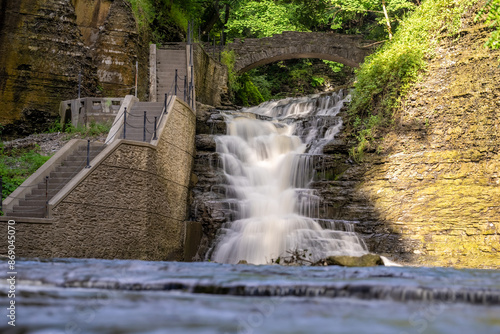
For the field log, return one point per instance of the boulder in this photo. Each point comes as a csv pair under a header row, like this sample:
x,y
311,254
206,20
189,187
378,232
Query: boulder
x,y
367,260
335,147
205,143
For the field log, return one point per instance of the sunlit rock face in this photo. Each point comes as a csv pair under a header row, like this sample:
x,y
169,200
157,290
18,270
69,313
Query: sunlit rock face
x,y
44,45
433,178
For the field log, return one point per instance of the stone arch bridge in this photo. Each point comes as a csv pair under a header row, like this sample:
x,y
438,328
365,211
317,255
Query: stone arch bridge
x,y
250,53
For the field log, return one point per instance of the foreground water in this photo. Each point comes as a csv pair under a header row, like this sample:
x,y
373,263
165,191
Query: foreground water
x,y
118,296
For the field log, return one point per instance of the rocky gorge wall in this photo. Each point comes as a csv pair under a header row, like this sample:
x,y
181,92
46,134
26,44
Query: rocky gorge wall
x,y
44,45
432,181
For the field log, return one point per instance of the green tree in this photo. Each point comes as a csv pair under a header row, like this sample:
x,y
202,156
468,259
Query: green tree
x,y
384,12
262,19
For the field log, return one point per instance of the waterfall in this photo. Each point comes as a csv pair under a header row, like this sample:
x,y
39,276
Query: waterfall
x,y
267,158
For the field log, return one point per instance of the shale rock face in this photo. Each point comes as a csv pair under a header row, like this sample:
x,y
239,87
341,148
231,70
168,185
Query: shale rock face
x,y
45,44
41,54
208,205
434,186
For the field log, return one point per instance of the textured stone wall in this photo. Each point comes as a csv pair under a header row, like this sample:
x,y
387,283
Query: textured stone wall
x,y
345,49
132,205
45,44
210,78
32,238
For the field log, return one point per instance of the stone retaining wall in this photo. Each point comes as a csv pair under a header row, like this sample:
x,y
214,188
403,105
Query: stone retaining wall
x,y
210,78
132,203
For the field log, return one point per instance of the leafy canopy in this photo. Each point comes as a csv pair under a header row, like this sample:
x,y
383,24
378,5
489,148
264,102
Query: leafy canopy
x,y
343,11
263,19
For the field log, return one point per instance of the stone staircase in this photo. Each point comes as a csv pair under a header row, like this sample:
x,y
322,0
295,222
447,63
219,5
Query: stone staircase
x,y
33,205
139,126
136,127
167,61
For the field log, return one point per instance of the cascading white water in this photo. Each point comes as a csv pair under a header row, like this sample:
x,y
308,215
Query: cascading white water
x,y
268,171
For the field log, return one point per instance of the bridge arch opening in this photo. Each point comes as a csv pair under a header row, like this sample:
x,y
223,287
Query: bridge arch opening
x,y
289,56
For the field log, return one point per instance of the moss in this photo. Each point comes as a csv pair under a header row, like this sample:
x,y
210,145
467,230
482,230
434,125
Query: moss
x,y
248,94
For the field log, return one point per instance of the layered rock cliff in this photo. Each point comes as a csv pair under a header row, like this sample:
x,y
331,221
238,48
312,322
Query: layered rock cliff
x,y
432,182
44,45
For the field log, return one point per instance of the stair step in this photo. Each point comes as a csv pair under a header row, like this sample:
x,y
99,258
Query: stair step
x,y
27,214
29,209
41,192
70,163
139,112
63,174
32,201
67,169
52,186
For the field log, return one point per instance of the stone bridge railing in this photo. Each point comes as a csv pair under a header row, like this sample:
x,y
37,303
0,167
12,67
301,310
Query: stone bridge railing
x,y
349,50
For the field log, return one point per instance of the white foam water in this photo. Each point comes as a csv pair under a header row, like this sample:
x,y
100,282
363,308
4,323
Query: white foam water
x,y
267,165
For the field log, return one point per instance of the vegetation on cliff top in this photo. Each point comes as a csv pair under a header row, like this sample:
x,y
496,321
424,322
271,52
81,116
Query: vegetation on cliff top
x,y
386,76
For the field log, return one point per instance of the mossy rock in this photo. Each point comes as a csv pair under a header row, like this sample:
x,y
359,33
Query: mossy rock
x,y
367,260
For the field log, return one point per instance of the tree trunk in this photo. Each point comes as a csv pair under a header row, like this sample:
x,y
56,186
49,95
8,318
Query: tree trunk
x,y
387,20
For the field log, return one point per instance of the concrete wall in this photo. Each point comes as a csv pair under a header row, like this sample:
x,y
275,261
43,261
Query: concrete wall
x,y
82,112
131,204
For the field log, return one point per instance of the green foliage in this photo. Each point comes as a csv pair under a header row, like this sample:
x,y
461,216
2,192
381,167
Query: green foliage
x,y
363,16
144,12
56,126
94,129
263,85
248,94
16,165
228,58
492,8
179,17
263,19
317,81
334,67
386,76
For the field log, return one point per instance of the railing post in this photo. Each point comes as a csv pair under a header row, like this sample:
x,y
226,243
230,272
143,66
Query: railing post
x,y
154,133
125,124
175,85
136,76
185,87
88,154
144,130
47,196
192,87
191,55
